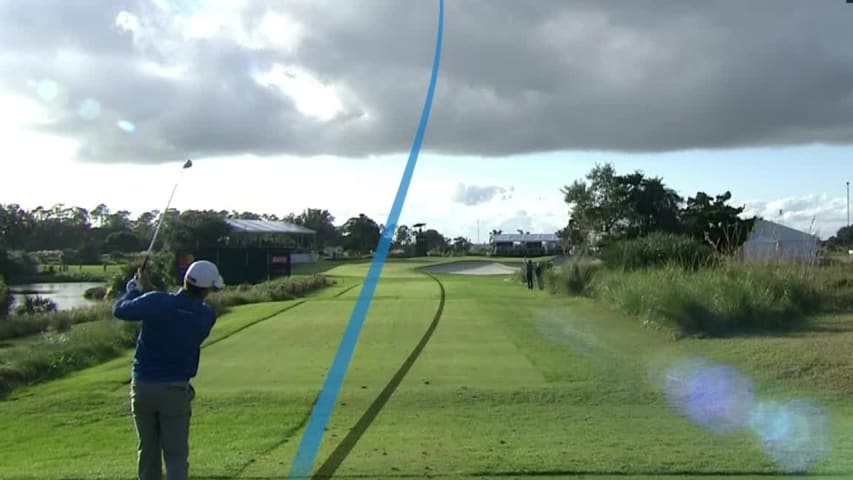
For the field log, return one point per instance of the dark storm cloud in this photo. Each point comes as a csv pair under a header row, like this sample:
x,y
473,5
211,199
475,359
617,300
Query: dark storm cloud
x,y
516,77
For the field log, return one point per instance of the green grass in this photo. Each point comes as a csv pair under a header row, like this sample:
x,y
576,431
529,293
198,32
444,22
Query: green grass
x,y
60,349
512,383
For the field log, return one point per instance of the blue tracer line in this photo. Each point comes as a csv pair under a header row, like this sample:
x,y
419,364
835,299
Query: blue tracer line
x,y
306,455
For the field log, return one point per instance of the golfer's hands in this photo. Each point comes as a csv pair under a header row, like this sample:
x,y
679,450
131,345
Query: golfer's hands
x,y
132,286
140,282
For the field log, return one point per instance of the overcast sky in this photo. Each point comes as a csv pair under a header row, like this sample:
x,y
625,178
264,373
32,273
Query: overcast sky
x,y
314,103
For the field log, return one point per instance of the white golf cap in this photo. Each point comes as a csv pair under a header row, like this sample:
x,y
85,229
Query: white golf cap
x,y
204,274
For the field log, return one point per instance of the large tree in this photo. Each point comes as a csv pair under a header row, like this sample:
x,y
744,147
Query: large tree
x,y
611,206
435,241
404,237
360,234
16,225
647,206
461,245
842,239
322,222
124,242
713,220
595,205
194,228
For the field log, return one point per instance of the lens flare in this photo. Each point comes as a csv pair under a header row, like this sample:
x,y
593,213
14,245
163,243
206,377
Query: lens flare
x,y
126,126
795,434
47,90
714,396
89,109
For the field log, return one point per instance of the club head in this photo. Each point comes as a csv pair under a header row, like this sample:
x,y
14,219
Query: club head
x,y
188,164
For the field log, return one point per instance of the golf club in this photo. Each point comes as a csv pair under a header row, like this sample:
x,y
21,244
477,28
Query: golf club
x,y
186,165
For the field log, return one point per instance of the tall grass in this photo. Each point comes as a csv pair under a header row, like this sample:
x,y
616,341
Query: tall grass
x,y
729,298
272,291
58,354
23,325
719,301
656,250
574,278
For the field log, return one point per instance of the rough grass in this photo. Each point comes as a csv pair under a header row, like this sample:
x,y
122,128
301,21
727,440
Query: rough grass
x,y
59,353
658,250
16,326
730,298
513,384
272,291
62,349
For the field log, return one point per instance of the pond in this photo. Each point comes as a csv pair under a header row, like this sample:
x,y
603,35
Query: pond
x,y
66,295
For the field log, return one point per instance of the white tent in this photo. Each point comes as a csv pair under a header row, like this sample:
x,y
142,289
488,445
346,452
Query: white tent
x,y
771,241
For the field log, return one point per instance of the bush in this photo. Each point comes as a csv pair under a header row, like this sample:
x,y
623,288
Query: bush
x,y
655,250
718,301
574,279
34,305
95,293
160,271
6,299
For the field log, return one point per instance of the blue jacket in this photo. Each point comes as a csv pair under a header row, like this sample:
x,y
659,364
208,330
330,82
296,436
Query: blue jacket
x,y
170,337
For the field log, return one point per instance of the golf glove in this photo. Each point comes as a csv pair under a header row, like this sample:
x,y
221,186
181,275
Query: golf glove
x,y
133,286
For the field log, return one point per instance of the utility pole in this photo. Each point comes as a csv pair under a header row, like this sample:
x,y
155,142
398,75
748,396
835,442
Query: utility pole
x,y
848,203
478,231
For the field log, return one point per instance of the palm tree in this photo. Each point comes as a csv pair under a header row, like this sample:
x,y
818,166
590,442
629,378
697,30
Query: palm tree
x,y
493,234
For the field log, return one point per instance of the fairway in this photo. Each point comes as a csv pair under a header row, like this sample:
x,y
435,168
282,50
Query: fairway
x,y
454,377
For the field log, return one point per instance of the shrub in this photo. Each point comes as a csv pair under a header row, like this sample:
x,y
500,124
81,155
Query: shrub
x,y
574,278
657,249
6,299
34,305
95,293
160,271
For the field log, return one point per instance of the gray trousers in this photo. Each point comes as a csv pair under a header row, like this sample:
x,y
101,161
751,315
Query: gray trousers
x,y
161,412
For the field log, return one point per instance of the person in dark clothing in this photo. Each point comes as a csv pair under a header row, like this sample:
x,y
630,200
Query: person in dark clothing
x,y
173,327
529,266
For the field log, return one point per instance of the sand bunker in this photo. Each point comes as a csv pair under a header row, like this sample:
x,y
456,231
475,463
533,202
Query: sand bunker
x,y
470,268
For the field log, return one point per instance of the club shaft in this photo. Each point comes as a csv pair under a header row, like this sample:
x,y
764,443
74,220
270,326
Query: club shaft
x,y
160,221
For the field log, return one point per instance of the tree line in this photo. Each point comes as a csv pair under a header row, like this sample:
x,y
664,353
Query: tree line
x,y
82,236
606,207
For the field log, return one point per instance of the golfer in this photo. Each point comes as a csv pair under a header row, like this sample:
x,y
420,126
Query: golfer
x,y
167,354
529,267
